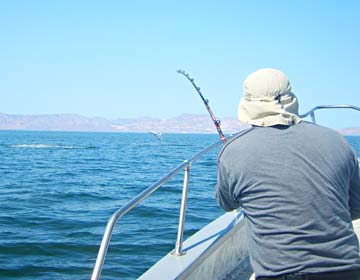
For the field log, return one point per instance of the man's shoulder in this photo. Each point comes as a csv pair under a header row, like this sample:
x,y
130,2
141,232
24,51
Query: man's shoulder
x,y
253,138
235,140
311,128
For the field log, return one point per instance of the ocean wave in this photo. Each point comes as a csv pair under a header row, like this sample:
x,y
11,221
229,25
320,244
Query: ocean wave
x,y
46,146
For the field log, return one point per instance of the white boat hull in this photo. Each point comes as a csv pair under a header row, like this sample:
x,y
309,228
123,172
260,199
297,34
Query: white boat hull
x,y
218,251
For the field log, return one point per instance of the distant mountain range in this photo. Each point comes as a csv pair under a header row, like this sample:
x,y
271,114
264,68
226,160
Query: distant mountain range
x,y
350,131
186,123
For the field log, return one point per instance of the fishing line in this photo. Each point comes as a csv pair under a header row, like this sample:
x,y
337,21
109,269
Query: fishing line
x,y
206,103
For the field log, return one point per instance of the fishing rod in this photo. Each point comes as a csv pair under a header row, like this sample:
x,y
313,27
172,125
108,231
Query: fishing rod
x,y
206,102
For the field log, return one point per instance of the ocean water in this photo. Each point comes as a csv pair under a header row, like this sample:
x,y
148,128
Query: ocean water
x,y
58,190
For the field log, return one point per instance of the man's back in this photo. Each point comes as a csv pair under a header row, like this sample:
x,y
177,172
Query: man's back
x,y
293,184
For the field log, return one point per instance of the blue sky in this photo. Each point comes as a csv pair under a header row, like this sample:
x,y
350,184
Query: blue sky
x,y
119,58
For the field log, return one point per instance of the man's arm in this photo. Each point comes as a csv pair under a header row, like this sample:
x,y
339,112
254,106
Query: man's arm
x,y
354,202
224,190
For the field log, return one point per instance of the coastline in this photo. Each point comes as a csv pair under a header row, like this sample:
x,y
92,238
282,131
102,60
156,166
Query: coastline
x,y
183,124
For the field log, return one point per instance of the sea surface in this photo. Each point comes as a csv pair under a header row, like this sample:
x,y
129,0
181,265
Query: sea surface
x,y
58,190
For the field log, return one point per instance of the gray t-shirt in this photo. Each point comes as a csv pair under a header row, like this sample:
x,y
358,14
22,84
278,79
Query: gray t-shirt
x,y
299,188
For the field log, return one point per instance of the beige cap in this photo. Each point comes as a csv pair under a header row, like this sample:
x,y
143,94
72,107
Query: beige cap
x,y
268,99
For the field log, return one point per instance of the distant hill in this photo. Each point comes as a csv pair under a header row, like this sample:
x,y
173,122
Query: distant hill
x,y
186,123
350,131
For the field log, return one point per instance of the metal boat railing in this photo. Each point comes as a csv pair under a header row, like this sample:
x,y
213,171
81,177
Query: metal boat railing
x,y
186,166
311,113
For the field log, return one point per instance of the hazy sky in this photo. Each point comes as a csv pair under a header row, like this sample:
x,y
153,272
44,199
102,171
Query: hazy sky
x,y
119,58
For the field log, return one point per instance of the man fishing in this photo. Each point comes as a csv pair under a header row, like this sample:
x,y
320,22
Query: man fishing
x,y
297,183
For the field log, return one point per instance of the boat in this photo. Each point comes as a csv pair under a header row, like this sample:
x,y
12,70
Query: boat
x,y
217,251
